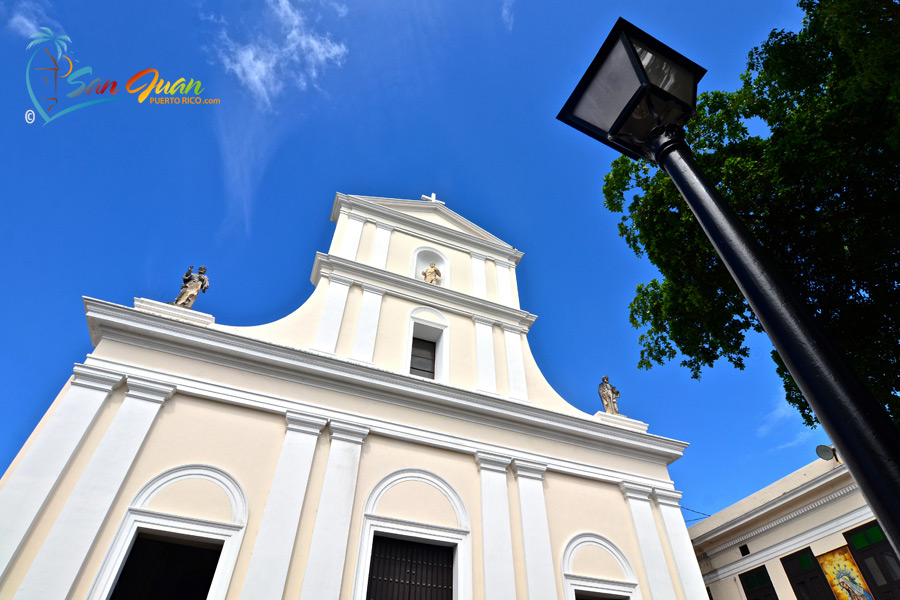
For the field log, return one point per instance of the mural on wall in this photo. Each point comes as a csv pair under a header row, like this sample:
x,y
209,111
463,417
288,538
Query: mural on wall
x,y
843,575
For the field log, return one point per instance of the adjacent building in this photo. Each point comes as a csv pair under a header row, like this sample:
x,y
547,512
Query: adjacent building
x,y
808,536
393,436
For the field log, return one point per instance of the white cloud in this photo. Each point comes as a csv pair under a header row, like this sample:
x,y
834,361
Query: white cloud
x,y
28,15
799,438
290,52
780,414
507,14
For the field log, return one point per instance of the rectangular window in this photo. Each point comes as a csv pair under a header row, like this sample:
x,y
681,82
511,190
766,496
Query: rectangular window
x,y
876,559
806,575
422,360
757,585
405,569
167,567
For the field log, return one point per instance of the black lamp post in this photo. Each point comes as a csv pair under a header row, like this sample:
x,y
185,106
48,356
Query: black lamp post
x,y
636,96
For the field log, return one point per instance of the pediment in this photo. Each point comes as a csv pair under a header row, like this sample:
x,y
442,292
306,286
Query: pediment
x,y
436,213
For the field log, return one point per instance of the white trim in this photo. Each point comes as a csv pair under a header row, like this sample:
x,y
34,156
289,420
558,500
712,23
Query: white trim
x,y
367,325
352,234
426,230
843,523
539,573
496,534
434,331
440,260
576,583
479,277
654,559
432,398
328,547
380,246
776,522
332,315
504,285
176,312
417,291
29,485
274,544
374,524
484,354
680,543
57,564
774,505
139,518
515,362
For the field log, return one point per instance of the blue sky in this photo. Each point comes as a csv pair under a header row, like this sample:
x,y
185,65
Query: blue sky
x,y
378,98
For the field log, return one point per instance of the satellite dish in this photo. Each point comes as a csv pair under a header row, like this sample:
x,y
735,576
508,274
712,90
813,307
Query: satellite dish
x,y
825,452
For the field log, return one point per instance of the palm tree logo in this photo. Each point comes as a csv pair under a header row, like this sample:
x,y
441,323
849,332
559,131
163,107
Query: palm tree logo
x,y
49,76
46,36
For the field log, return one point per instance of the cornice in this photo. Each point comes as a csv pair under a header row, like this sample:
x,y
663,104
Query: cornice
x,y
120,323
792,515
343,270
492,462
423,229
529,470
633,491
176,312
96,379
771,506
148,390
348,432
304,423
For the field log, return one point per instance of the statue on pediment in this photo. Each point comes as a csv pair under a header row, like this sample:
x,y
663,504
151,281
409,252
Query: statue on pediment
x,y
194,283
609,394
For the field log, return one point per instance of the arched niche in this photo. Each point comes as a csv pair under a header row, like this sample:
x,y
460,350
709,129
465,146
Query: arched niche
x,y
423,256
593,564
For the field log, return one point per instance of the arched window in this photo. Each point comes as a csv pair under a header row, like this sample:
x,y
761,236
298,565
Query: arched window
x,y
423,256
621,583
416,535
428,344
184,550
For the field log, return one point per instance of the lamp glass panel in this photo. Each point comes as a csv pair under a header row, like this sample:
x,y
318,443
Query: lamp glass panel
x,y
666,74
609,91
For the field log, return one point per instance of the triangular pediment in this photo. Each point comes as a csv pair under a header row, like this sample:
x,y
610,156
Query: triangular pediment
x,y
436,213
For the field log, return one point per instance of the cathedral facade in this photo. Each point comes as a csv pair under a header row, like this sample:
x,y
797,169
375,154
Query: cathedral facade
x,y
391,438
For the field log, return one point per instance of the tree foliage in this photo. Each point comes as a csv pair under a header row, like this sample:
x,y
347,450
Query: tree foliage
x,y
821,193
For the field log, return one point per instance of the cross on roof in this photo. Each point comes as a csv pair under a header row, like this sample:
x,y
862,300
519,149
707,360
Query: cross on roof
x,y
432,198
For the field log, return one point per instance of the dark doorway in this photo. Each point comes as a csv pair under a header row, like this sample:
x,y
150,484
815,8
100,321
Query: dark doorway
x,y
406,570
757,585
160,567
422,360
876,560
806,575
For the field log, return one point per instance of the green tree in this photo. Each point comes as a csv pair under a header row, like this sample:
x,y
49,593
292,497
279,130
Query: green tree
x,y
821,193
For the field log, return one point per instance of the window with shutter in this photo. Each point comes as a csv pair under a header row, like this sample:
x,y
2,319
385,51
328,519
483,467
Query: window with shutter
x,y
406,569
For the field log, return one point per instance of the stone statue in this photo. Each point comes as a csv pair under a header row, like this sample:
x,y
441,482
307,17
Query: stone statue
x,y
609,394
431,274
194,283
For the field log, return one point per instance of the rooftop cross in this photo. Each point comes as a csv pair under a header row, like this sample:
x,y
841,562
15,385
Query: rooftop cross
x,y
432,198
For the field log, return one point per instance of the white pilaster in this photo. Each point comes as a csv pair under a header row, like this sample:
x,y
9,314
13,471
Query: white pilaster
x,y
499,576
504,284
59,560
36,475
352,235
381,245
484,354
328,548
274,544
515,362
655,567
535,530
479,279
680,543
332,314
367,325
514,285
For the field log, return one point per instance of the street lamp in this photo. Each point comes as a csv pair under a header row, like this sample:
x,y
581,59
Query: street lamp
x,y
636,96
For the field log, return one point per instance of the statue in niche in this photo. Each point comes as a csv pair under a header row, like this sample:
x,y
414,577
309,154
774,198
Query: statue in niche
x,y
609,394
431,274
194,283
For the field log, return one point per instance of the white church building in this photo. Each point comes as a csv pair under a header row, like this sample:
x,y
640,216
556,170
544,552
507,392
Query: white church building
x,y
391,438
